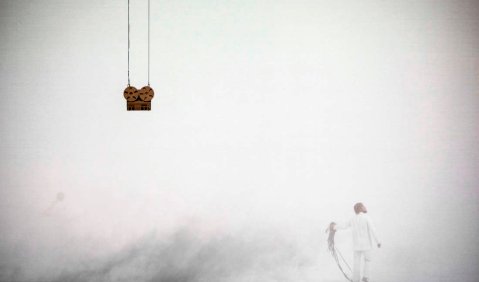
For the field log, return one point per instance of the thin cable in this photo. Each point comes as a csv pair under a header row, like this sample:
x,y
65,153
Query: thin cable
x,y
345,262
335,255
148,42
334,251
128,42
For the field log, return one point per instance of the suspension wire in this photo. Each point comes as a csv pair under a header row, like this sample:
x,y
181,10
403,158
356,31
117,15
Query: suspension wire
x,y
148,42
128,42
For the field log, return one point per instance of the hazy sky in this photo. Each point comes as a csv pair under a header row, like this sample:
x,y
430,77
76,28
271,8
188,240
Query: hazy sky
x,y
270,120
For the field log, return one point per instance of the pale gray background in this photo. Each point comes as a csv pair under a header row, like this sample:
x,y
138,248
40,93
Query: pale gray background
x,y
271,119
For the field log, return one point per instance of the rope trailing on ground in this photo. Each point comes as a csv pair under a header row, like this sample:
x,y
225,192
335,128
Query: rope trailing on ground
x,y
335,252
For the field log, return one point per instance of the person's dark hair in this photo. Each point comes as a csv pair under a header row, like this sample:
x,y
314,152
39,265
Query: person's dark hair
x,y
359,207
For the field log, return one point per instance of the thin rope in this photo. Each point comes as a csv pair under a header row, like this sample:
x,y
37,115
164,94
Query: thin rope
x,y
128,42
334,251
335,255
345,262
148,42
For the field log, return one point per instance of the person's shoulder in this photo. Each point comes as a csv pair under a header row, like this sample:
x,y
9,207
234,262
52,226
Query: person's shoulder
x,y
367,217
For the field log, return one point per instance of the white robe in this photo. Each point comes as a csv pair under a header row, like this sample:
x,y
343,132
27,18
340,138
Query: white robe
x,y
363,232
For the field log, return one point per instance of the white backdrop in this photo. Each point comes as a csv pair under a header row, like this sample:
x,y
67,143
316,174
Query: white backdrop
x,y
270,119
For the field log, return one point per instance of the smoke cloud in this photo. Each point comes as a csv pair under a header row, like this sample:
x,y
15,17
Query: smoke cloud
x,y
184,256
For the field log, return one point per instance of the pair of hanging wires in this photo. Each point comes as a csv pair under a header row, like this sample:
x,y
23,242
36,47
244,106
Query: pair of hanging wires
x,y
129,42
148,42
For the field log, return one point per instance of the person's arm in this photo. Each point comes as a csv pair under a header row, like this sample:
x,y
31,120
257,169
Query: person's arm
x,y
343,225
372,230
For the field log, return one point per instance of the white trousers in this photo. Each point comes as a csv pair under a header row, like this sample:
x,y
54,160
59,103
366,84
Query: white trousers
x,y
358,256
